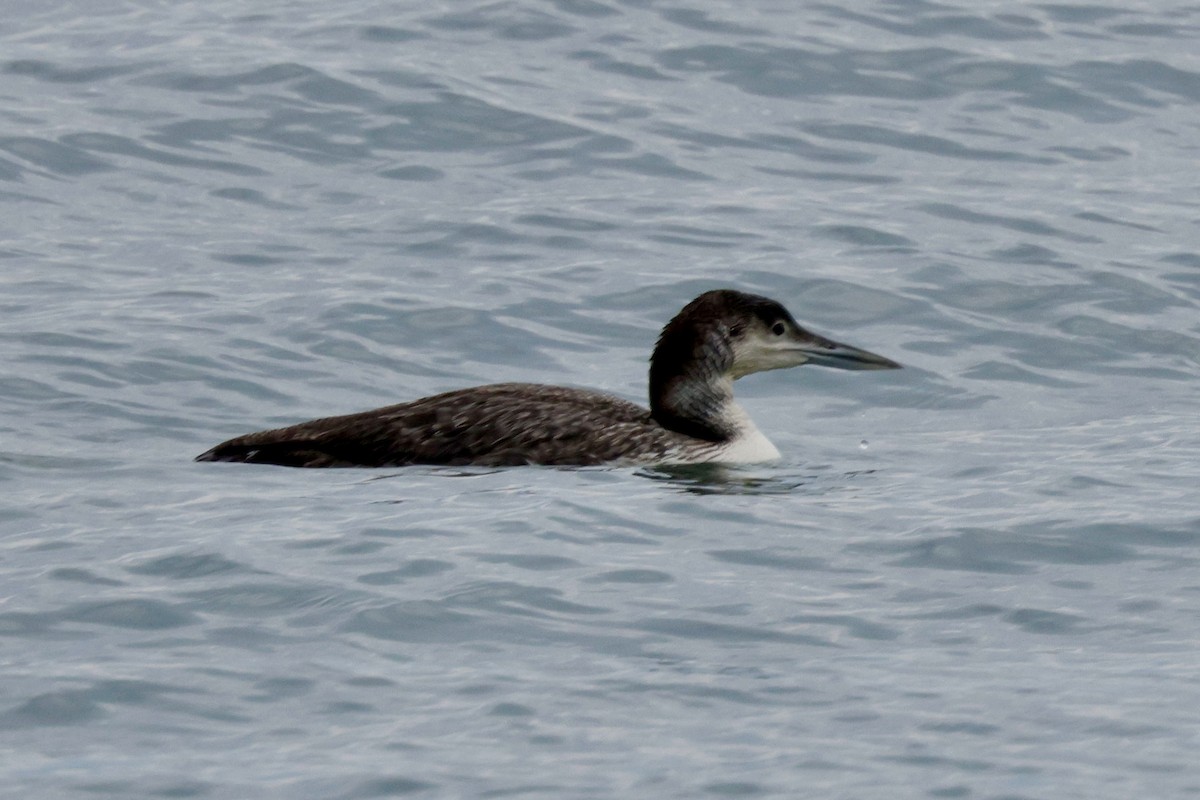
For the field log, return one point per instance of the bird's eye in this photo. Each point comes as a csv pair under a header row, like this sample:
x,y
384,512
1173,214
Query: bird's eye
x,y
778,329
736,330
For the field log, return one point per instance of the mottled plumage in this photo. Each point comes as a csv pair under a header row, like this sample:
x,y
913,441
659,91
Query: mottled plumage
x,y
504,424
715,339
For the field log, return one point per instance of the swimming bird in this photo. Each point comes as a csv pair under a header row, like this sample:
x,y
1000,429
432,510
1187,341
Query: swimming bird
x,y
717,338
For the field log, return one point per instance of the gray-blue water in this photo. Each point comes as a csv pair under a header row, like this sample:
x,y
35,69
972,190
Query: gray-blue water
x,y
978,577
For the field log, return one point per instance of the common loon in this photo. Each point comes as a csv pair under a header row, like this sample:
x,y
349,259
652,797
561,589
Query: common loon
x,y
717,338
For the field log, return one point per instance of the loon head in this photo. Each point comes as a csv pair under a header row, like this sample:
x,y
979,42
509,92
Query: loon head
x,y
724,335
763,336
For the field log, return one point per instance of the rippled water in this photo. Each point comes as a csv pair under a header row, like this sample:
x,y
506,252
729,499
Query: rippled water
x,y
972,578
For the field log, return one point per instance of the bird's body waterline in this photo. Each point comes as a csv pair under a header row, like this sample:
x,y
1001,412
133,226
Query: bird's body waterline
x,y
720,336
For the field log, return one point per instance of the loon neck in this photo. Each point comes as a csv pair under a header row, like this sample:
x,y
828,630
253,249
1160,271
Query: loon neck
x,y
698,409
691,390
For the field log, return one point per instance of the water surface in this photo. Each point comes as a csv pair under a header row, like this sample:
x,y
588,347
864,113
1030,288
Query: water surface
x,y
972,578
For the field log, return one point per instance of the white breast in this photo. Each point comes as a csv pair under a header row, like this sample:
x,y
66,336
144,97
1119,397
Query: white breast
x,y
749,446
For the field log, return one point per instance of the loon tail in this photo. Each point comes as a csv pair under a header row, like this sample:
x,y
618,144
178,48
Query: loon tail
x,y
282,453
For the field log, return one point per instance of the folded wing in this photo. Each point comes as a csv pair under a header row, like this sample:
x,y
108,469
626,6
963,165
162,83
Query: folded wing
x,y
499,425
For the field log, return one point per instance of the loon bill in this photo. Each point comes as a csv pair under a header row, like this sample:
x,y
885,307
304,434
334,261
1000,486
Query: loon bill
x,y
717,338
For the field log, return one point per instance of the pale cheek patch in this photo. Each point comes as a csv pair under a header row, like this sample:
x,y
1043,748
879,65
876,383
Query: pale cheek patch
x,y
756,356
